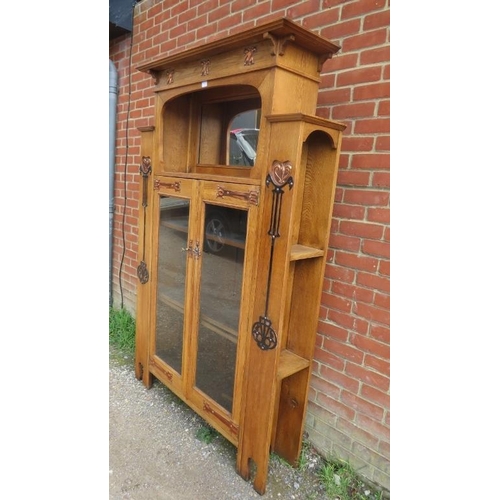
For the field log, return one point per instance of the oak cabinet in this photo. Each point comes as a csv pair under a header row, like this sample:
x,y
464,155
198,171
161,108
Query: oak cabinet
x,y
239,178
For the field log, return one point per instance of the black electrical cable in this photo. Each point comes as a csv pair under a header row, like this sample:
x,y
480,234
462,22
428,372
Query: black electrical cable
x,y
126,159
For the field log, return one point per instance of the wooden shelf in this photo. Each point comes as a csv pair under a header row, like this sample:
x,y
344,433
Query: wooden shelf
x,y
210,323
233,240
300,252
290,363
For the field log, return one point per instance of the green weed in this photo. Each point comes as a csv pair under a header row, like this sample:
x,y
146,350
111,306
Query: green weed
x,y
206,434
122,329
342,483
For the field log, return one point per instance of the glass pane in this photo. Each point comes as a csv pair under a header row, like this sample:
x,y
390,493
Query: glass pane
x,y
174,216
221,280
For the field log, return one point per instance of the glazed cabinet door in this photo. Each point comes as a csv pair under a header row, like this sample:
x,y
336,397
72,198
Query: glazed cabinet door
x,y
227,222
176,244
204,266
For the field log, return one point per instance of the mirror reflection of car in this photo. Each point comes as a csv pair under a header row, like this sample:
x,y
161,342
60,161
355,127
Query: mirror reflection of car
x,y
243,146
223,225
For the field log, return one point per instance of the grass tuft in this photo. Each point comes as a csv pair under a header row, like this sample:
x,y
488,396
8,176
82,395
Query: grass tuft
x,y
342,483
206,434
122,330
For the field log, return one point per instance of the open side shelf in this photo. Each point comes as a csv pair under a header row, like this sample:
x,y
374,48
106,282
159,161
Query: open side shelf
x,y
290,363
300,252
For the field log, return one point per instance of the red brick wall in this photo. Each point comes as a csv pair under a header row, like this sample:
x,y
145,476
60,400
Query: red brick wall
x,y
348,413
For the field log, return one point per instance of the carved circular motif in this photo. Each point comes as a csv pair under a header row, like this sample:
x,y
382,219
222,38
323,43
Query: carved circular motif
x,y
142,272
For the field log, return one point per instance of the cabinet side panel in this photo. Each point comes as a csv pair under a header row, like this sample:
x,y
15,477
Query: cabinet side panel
x,y
144,290
176,134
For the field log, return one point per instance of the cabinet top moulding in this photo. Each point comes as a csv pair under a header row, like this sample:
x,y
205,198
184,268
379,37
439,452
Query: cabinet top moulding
x,y
275,31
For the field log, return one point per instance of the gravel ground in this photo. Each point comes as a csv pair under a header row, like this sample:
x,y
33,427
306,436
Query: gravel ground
x,y
154,452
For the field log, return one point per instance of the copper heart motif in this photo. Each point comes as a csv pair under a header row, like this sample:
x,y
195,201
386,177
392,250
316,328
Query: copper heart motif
x,y
280,172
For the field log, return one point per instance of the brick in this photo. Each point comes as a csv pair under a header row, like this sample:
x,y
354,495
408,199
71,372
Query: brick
x,y
370,39
328,4
381,179
280,4
381,143
362,229
372,313
336,96
297,10
339,62
373,281
326,17
257,11
382,300
323,357
208,5
324,386
380,332
384,268
177,31
336,302
353,292
341,29
219,13
381,215
361,7
372,161
354,110
187,15
384,447
186,39
372,91
366,197
384,109
327,81
197,22
376,248
372,56
353,178
154,10
230,21
356,433
374,126
377,20
370,456
344,159
206,31
361,405
368,377
344,211
321,414
335,406
378,397
342,350
379,365
342,242
339,273
182,6
339,379
357,143
354,261
358,76
367,344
